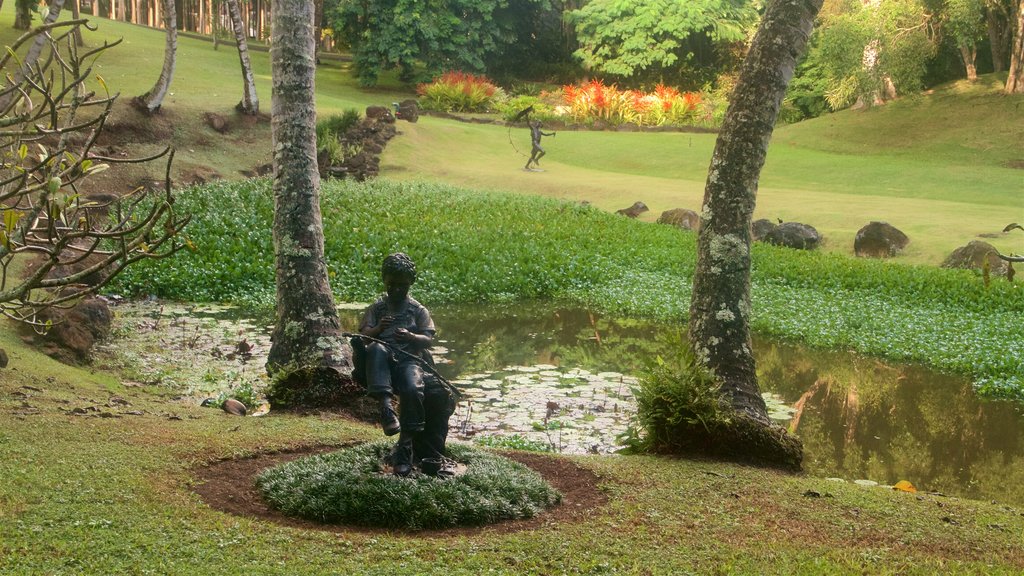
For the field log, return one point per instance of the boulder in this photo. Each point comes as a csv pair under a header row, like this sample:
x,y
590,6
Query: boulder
x,y
409,110
381,113
217,122
681,217
232,406
760,228
633,211
76,330
794,235
973,257
879,240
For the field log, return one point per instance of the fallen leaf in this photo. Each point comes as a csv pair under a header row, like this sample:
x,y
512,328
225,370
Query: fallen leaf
x,y
904,486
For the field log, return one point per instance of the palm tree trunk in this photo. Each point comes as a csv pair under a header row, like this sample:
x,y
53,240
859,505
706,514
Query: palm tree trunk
x,y
151,101
307,348
250,103
1015,80
719,330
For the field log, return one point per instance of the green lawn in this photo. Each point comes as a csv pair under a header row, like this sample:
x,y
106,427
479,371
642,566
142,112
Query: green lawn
x,y
936,166
96,477
92,494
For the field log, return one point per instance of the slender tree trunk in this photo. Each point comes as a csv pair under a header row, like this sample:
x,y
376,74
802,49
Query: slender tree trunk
x,y
22,14
250,104
318,25
215,10
96,8
969,54
306,342
720,307
32,55
77,14
1000,19
1015,80
152,100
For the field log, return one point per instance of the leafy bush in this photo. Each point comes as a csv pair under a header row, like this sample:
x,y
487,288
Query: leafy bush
x,y
542,110
483,247
354,486
459,92
329,133
338,124
675,396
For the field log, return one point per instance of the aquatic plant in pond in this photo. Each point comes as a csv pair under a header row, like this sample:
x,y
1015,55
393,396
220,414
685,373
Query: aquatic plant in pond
x,y
488,247
858,417
571,411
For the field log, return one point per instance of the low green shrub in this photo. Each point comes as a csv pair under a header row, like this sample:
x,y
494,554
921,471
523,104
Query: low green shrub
x,y
355,486
675,395
514,442
542,110
329,132
459,92
480,247
681,410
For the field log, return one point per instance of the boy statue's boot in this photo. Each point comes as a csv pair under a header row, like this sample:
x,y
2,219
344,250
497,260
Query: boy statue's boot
x,y
388,418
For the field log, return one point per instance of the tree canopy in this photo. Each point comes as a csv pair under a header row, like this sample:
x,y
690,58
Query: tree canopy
x,y
625,37
435,34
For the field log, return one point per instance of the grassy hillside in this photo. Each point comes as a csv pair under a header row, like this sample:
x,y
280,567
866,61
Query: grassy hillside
x,y
944,167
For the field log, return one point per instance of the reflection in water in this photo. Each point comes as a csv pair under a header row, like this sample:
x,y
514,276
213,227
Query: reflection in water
x,y
858,417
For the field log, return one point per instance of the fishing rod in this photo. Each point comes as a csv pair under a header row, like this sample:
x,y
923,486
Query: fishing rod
x,y
423,363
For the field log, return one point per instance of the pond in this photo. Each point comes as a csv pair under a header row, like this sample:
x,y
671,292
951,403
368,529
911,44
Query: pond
x,y
560,380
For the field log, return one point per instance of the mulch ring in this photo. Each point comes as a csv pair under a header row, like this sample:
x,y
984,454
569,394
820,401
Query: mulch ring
x,y
230,486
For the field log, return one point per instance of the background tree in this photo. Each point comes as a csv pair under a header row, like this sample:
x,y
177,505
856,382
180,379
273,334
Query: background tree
x,y
23,10
435,35
964,22
151,101
719,332
55,245
625,38
307,353
868,54
250,103
1000,22
1015,79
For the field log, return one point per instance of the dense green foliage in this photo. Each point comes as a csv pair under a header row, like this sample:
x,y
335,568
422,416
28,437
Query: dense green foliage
x,y
486,247
865,53
329,132
355,486
675,395
657,39
424,38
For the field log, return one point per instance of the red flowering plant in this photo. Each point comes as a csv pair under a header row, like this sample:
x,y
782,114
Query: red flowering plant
x,y
593,101
456,91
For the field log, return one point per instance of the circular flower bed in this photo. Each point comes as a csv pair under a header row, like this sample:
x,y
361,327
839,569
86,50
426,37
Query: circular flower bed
x,y
355,486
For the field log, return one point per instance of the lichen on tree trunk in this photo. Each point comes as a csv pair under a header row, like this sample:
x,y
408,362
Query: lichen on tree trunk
x,y
307,355
720,306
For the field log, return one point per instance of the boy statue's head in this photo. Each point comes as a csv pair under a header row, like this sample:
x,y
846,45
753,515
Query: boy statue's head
x,y
398,273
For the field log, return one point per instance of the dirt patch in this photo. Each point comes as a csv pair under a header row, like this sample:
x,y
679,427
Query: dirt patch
x,y
230,486
1018,164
